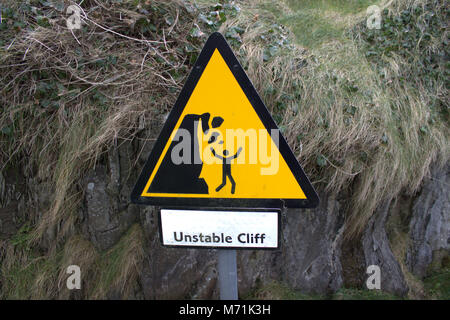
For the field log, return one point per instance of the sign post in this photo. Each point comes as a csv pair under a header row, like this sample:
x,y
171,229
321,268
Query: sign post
x,y
220,168
227,269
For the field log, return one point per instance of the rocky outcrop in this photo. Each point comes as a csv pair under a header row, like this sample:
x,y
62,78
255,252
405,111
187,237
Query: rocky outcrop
x,y
179,274
308,259
377,251
430,223
7,226
311,247
12,202
170,273
108,212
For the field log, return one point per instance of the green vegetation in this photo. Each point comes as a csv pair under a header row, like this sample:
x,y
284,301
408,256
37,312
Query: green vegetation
x,y
316,22
438,285
28,274
25,273
361,294
363,111
279,291
342,6
118,268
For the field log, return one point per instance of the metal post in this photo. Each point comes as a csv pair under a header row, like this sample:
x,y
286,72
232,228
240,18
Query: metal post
x,y
227,275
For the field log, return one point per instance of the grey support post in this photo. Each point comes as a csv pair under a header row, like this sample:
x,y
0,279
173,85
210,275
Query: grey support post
x,y
227,269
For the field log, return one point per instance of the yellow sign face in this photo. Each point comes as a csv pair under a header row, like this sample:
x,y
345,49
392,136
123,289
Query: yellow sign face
x,y
221,143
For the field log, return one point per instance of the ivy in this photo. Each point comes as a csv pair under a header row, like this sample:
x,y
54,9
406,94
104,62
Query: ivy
x,y
419,36
413,35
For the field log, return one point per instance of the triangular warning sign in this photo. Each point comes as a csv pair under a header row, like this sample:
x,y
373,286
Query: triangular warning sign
x,y
220,147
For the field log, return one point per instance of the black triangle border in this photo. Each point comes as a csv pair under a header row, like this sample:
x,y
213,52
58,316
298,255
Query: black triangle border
x,y
217,41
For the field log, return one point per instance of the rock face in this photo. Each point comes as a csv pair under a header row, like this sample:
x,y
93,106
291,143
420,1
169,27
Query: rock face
x,y
108,212
170,273
377,252
101,219
310,259
180,274
430,223
309,256
7,226
12,202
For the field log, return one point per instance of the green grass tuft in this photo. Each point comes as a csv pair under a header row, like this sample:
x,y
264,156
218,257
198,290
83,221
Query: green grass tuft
x,y
437,285
360,294
275,290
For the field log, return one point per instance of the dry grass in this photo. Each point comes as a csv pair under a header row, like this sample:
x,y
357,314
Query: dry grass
x,y
107,76
119,268
66,98
28,275
357,129
81,252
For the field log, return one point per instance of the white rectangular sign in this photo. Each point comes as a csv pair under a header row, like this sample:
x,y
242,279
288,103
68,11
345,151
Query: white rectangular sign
x,y
228,229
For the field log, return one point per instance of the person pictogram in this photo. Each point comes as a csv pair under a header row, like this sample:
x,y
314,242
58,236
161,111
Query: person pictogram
x,y
226,168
